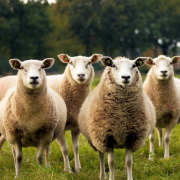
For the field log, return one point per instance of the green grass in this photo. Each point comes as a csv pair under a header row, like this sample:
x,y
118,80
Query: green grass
x,y
143,169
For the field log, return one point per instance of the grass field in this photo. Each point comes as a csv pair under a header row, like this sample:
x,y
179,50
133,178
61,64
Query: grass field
x,y
143,169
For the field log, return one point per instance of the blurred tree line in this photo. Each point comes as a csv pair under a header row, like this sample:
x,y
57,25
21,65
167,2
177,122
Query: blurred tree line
x,y
37,29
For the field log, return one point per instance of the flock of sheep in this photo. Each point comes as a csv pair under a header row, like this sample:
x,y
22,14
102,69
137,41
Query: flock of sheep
x,y
121,112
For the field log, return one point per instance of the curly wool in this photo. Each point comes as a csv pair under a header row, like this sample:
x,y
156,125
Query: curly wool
x,y
114,117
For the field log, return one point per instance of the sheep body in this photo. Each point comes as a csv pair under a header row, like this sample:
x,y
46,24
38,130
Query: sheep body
x,y
31,117
117,114
113,117
163,90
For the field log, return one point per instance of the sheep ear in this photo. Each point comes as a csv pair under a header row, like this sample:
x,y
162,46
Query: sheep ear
x,y
175,59
15,64
140,61
64,58
150,62
106,61
47,63
95,58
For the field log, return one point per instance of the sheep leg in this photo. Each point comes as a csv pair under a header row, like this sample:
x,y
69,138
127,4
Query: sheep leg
x,y
75,142
61,140
160,136
2,140
47,151
18,156
43,143
129,161
169,129
111,162
102,166
151,139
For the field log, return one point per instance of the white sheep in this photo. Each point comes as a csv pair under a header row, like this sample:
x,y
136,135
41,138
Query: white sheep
x,y
117,114
32,114
164,91
74,85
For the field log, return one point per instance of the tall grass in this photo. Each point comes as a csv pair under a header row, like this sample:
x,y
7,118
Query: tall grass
x,y
143,169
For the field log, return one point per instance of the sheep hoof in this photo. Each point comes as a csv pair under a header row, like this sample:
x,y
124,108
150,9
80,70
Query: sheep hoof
x,y
67,170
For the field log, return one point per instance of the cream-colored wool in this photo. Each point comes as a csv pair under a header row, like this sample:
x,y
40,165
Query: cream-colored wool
x,y
114,117
165,96
31,117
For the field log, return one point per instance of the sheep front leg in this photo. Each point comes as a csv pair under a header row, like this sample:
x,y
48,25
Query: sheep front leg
x,y
111,162
151,140
75,142
43,144
102,166
61,140
18,156
129,161
169,129
47,151
2,140
160,136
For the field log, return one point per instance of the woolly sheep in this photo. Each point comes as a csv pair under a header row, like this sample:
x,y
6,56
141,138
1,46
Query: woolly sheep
x,y
74,86
32,114
117,114
164,91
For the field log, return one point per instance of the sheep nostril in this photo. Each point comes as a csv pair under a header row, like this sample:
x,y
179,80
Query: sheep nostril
x,y
34,77
163,72
81,75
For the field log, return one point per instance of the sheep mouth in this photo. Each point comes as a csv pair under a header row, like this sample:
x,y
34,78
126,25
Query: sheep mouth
x,y
81,79
34,83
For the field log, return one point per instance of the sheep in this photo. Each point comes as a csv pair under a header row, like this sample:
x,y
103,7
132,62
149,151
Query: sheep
x,y
117,114
32,114
73,85
164,91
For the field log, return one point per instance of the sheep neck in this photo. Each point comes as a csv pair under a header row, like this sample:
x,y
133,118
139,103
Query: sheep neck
x,y
119,94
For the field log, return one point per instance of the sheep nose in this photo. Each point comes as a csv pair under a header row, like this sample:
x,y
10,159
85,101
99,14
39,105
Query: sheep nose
x,y
126,78
34,78
163,72
81,75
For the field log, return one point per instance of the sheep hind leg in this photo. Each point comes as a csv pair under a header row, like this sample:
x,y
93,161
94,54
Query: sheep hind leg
x,y
47,151
169,129
75,142
160,136
151,140
102,175
2,140
111,162
129,161
61,140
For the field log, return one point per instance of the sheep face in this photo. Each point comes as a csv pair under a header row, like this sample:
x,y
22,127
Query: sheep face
x,y
123,70
32,71
163,66
80,66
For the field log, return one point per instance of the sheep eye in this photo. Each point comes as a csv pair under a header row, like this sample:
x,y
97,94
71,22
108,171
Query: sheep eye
x,y
154,64
133,66
71,64
113,66
88,64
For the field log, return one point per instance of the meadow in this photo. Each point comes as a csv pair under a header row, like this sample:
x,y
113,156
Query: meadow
x,y
143,169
